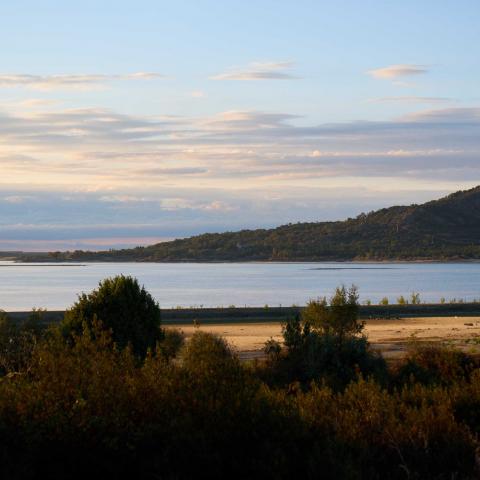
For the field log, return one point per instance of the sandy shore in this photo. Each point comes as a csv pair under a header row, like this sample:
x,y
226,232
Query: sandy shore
x,y
391,337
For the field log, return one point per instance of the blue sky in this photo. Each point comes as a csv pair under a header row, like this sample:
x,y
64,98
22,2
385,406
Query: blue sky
x,y
127,122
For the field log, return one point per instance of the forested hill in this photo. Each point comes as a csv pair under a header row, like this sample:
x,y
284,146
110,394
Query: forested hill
x,y
448,228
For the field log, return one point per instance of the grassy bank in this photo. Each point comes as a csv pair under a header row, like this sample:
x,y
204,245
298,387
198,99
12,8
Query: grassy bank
x,y
180,316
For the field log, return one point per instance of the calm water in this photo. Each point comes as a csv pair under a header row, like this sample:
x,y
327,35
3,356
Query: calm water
x,y
25,286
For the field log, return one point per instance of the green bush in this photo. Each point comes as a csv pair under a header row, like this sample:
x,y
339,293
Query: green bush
x,y
206,354
325,343
88,409
429,364
122,306
18,341
172,342
338,317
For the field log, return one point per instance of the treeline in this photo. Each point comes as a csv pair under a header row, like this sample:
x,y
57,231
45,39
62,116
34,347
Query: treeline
x,y
445,229
111,393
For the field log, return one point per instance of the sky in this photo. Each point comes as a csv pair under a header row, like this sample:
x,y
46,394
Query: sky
x,y
125,123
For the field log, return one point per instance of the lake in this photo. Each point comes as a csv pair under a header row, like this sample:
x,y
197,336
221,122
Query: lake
x,y
23,286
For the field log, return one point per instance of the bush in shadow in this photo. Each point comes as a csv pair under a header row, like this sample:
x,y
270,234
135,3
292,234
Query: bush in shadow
x,y
18,341
89,409
433,364
122,306
171,344
325,343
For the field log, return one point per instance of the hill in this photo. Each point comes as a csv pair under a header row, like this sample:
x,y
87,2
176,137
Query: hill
x,y
445,229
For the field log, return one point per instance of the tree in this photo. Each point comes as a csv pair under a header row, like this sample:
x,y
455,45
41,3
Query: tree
x,y
415,298
293,332
401,300
339,318
121,305
326,342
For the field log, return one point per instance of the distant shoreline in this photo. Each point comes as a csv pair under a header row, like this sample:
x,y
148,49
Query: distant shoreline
x,y
41,264
53,263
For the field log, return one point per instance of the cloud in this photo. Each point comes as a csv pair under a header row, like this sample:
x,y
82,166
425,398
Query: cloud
x,y
452,117
37,102
18,198
413,100
398,71
74,172
173,171
69,81
198,94
259,71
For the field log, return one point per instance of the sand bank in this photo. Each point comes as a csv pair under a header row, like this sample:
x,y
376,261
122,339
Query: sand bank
x,y
390,336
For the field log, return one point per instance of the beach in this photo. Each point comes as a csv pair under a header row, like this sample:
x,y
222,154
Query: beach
x,y
391,336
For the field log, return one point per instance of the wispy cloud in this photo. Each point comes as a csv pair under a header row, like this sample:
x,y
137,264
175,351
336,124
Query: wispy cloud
x,y
173,176
413,99
259,71
37,102
173,171
69,81
393,72
198,94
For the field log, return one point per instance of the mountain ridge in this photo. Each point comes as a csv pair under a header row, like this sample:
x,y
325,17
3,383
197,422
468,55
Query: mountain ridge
x,y
443,229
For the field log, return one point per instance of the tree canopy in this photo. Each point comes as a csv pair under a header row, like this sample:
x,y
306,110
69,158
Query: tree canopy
x,y
121,305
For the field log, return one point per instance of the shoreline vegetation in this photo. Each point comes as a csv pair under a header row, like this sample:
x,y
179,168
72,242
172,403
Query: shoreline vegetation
x,y
447,229
231,314
111,390
21,261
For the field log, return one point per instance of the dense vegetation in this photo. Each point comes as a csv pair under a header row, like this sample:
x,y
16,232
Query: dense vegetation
x,y
448,228
121,305
323,405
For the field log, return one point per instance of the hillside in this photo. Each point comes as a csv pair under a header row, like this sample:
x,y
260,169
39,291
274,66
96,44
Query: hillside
x,y
444,229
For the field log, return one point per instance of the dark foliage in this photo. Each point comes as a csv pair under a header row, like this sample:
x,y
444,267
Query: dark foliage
x,y
172,342
434,364
120,304
88,407
18,341
326,344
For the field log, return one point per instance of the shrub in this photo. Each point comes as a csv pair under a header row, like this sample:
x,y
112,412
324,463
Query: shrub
x,y
401,300
87,410
429,363
121,305
294,331
18,341
340,363
325,343
172,342
415,298
339,317
272,348
206,353
395,435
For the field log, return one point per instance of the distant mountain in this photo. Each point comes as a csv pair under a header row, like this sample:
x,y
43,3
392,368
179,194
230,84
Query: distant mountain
x,y
445,229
